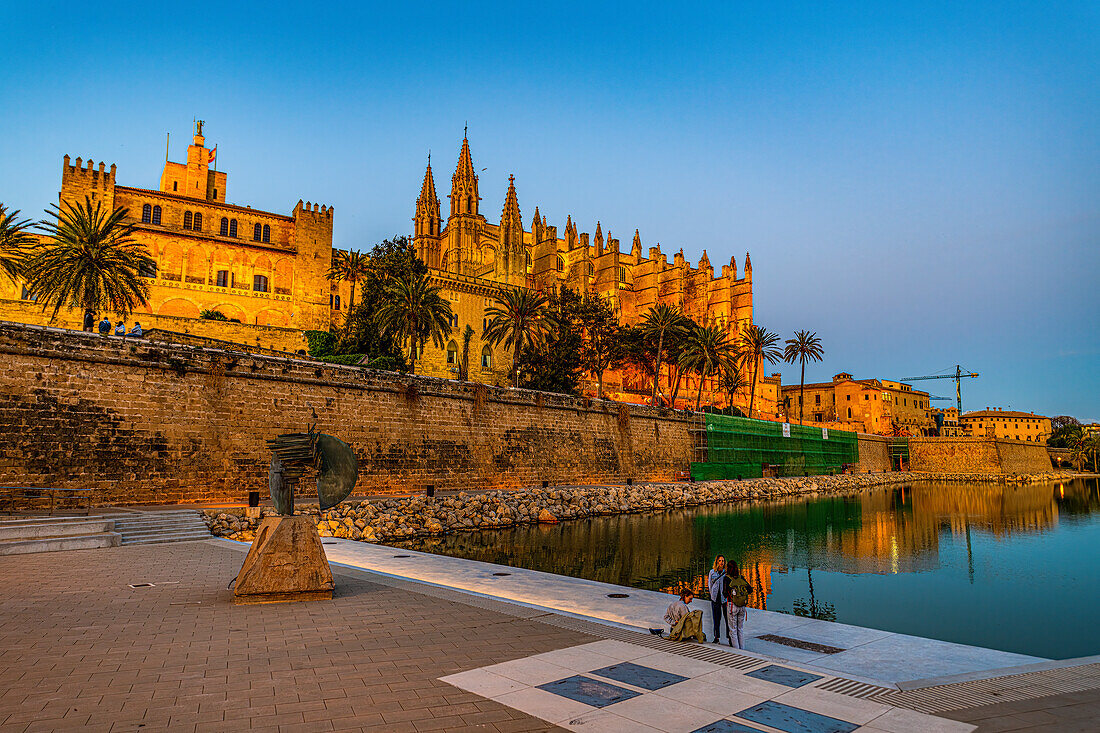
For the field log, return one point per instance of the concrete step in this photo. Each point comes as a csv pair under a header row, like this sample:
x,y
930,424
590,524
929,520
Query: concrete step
x,y
157,539
166,523
154,532
34,530
56,544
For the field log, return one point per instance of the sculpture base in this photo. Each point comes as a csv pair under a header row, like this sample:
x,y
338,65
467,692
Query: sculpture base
x,y
285,563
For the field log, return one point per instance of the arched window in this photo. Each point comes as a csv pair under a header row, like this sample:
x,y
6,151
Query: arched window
x,y
259,283
849,413
527,261
256,233
622,274
336,301
560,265
452,353
156,215
233,228
224,229
486,358
187,220
146,214
198,222
267,233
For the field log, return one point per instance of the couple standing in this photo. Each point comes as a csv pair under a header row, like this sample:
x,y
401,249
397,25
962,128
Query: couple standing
x,y
729,598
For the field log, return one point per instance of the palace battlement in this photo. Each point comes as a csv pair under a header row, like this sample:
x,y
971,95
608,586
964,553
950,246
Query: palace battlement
x,y
316,211
90,176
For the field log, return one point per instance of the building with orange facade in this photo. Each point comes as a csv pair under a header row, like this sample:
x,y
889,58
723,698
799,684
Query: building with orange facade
x,y
1007,425
876,406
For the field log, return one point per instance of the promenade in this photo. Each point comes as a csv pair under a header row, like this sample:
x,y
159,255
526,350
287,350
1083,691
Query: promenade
x,y
82,649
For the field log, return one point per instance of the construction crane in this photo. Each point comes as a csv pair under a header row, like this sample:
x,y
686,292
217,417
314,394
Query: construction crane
x,y
957,376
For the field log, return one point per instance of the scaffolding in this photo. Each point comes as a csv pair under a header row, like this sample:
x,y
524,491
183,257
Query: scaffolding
x,y
737,447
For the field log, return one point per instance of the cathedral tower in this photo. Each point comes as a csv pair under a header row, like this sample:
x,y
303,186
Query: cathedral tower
x,y
460,251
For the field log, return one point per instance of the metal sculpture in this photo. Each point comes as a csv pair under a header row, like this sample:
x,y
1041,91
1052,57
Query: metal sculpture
x,y
296,453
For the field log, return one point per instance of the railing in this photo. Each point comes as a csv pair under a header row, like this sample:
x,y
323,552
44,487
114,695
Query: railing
x,y
196,280
169,276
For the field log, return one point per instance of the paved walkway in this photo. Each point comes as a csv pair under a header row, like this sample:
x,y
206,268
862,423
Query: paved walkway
x,y
81,649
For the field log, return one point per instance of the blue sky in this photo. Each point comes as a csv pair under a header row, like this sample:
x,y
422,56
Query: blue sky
x,y
916,182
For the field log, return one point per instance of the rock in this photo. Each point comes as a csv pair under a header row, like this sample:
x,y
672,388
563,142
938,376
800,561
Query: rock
x,y
545,517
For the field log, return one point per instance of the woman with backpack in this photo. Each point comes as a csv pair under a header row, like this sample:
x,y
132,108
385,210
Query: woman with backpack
x,y
737,591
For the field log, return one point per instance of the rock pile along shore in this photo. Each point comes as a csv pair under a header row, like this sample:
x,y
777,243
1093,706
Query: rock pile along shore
x,y
418,516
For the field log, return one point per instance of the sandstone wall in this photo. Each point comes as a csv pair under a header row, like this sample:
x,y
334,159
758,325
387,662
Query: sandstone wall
x,y
874,455
150,422
977,455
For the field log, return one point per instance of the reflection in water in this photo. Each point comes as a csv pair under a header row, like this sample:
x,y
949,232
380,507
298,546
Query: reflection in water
x,y
953,561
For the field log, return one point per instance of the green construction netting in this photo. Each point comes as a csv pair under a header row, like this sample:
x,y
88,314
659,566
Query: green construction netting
x,y
739,447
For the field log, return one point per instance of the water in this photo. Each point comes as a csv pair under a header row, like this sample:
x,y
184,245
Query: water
x,y
1004,567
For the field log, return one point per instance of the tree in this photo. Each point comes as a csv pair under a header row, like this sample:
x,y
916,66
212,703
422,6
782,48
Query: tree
x,y
733,379
675,344
758,344
15,242
556,364
349,267
464,364
706,350
415,312
657,324
600,328
1066,431
637,350
90,261
519,318
804,346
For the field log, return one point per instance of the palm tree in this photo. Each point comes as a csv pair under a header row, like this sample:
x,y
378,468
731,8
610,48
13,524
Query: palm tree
x,y
804,346
414,311
661,320
15,241
733,378
349,267
758,344
464,365
707,348
519,318
90,261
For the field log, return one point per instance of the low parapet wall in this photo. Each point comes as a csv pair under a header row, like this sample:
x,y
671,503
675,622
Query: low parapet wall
x,y
152,422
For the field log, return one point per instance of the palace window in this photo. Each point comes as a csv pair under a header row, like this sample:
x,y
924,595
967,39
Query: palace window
x,y
849,413
146,214
233,228
256,233
198,222
156,215
336,302
222,280
591,269
560,265
259,283
817,399
452,353
486,358
454,320
187,220
267,233
224,230
527,262
622,274
148,270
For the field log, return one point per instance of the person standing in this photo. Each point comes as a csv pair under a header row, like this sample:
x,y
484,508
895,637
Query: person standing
x,y
716,583
89,321
737,591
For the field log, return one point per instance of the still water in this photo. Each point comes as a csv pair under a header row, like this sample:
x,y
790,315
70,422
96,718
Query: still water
x,y
1006,567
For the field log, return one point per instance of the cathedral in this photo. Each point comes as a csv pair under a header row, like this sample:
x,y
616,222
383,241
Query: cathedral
x,y
470,257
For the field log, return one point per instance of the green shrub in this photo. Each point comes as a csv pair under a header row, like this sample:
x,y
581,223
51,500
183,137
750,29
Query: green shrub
x,y
345,359
214,315
389,364
321,343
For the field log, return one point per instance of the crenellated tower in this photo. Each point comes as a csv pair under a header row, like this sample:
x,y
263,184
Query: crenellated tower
x,y
427,222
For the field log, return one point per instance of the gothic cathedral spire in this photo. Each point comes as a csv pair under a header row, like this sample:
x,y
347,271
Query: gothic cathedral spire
x,y
427,221
464,198
511,259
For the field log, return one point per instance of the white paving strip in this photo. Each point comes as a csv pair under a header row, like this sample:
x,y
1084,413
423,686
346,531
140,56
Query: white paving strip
x,y
870,655
581,688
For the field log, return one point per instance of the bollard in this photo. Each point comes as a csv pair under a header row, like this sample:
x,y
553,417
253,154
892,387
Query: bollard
x,y
545,484
253,498
429,490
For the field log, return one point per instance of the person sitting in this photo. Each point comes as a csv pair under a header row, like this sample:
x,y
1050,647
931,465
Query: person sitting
x,y
120,329
136,330
105,326
684,622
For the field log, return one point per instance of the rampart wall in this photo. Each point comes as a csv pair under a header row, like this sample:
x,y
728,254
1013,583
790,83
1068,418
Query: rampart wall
x,y
143,422
977,455
874,454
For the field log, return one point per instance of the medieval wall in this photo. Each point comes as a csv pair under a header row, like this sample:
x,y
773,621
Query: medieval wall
x,y
874,454
149,422
977,455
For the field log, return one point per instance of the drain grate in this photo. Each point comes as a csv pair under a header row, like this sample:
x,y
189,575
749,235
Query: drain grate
x,y
809,646
501,575
851,688
142,585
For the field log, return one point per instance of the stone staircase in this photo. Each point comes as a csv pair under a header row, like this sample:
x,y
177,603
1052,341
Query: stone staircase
x,y
20,536
172,525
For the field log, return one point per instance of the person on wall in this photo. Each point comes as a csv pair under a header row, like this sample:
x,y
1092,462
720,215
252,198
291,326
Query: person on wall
x,y
716,583
120,329
136,330
737,591
105,326
89,321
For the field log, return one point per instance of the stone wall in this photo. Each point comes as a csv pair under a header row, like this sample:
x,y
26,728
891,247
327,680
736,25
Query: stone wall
x,y
874,454
151,422
977,455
